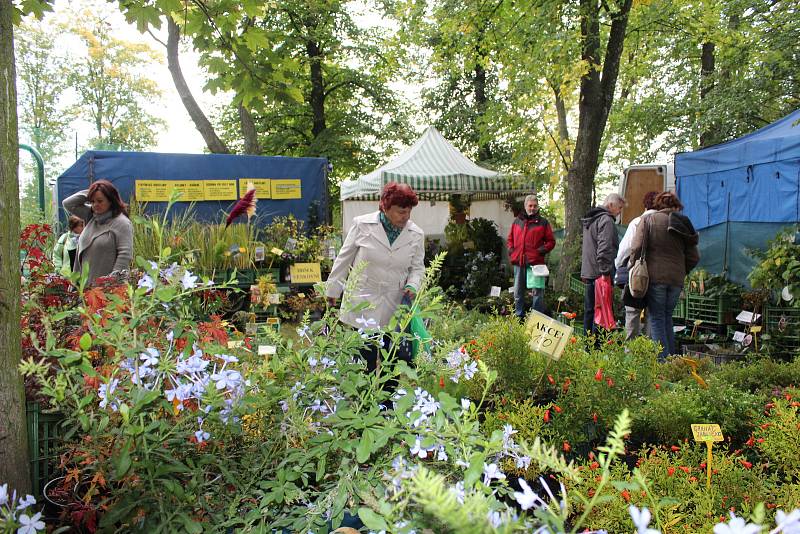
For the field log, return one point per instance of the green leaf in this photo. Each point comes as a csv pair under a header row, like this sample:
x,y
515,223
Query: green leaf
x,y
165,294
85,342
372,520
365,446
122,461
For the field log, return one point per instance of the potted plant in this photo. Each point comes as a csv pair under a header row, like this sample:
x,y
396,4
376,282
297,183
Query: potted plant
x,y
459,207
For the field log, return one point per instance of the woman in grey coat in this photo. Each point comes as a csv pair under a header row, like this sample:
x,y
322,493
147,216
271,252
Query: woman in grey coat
x,y
106,243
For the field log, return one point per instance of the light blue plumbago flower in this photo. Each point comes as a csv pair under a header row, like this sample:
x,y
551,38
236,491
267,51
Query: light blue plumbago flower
x,y
470,369
227,358
367,323
153,265
284,406
787,523
202,436
30,524
303,331
327,362
523,462
641,518
492,472
4,494
737,525
170,336
418,450
29,500
227,379
527,498
147,282
193,364
495,518
170,271
562,504
150,356
188,281
459,492
465,404
105,392
441,454
312,361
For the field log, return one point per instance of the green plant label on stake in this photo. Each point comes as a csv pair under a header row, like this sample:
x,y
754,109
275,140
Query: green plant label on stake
x,y
547,335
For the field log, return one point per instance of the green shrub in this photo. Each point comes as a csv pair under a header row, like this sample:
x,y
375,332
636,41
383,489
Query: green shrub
x,y
592,387
503,345
761,376
777,434
668,416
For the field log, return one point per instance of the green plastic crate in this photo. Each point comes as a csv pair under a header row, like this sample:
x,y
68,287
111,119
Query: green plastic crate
x,y
719,353
717,310
576,284
680,308
783,326
44,441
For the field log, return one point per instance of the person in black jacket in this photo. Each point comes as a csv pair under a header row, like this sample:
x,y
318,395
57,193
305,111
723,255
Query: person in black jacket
x,y
600,244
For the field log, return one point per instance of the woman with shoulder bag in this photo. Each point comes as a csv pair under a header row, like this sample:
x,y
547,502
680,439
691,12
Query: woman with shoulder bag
x,y
633,305
669,242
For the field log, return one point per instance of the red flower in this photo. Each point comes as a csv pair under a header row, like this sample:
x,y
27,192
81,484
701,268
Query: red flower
x,y
684,469
594,465
598,375
670,471
750,442
746,464
692,479
610,382
566,446
594,416
565,387
551,379
547,416
675,448
657,385
557,408
441,382
626,495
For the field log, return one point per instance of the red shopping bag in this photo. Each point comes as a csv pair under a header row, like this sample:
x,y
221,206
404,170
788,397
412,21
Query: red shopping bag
x,y
603,303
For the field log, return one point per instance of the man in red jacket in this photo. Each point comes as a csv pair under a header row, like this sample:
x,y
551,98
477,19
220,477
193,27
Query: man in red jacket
x,y
529,239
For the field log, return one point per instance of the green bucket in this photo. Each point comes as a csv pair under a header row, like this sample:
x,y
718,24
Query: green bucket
x,y
535,282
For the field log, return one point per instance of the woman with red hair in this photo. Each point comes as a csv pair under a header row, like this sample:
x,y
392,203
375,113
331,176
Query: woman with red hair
x,y
393,248
106,243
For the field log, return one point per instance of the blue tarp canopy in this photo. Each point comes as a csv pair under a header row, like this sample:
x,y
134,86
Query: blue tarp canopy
x,y
124,168
750,186
755,178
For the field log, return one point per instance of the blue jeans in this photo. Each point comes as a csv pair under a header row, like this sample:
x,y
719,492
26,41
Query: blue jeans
x,y
588,308
520,293
661,300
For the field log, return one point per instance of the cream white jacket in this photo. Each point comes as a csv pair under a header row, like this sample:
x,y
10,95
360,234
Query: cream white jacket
x,y
389,268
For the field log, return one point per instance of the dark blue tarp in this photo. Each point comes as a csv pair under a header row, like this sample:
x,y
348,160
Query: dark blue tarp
x,y
739,194
124,168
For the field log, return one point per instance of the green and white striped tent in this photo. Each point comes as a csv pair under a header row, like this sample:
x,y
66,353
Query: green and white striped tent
x,y
435,169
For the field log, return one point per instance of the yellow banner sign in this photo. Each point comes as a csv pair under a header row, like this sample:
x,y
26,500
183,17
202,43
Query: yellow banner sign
x,y
152,190
707,433
547,335
219,189
286,189
305,273
263,187
161,190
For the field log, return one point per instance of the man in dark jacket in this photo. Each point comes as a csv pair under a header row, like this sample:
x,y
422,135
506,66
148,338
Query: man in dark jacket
x,y
600,244
529,239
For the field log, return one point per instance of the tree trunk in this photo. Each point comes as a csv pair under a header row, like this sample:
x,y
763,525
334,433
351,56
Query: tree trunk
x,y
563,131
317,97
203,125
249,133
596,97
14,462
706,85
479,87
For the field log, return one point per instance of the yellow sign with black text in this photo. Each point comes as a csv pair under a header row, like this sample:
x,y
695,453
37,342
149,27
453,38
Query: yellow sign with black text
x,y
263,187
219,189
707,433
305,273
161,190
286,189
547,335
